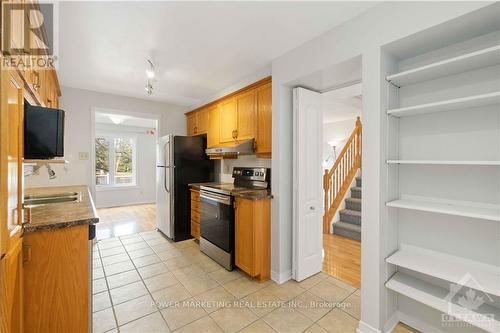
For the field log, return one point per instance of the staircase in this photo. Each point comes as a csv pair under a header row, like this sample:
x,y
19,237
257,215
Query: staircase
x,y
336,183
350,218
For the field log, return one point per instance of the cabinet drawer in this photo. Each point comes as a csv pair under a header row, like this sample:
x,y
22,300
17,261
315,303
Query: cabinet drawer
x,y
195,205
195,229
195,216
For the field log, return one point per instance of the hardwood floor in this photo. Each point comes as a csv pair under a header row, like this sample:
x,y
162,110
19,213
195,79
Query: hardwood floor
x,y
342,259
126,220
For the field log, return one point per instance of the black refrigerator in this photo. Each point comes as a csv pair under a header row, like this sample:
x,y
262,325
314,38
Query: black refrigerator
x,y
181,160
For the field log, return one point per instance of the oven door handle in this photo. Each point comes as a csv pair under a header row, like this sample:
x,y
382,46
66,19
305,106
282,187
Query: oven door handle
x,y
223,199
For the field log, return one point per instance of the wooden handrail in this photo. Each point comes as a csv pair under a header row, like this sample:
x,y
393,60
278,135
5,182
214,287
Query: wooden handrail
x,y
338,179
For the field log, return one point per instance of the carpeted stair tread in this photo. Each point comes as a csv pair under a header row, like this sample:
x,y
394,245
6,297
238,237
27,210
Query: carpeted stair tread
x,y
348,230
353,204
356,192
350,216
351,212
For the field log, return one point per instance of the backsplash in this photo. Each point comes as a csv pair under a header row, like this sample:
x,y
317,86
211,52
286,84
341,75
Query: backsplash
x,y
224,168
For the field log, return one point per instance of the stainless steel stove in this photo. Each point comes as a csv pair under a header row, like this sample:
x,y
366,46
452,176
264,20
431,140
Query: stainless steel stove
x,y
217,212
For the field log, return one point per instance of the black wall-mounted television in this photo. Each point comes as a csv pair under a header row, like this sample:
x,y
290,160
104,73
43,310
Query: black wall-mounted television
x,y
43,132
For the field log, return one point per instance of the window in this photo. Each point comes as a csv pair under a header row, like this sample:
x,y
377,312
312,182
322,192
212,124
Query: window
x,y
115,161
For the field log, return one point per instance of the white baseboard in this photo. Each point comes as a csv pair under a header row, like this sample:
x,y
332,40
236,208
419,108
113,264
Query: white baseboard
x,y
365,328
391,323
281,278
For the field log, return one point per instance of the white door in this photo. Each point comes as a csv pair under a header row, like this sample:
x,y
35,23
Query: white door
x,y
307,180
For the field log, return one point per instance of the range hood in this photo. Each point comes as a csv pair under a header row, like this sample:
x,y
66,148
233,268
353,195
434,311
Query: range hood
x,y
243,148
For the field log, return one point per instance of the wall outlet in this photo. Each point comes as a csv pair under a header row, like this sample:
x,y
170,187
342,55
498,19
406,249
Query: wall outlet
x,y
83,156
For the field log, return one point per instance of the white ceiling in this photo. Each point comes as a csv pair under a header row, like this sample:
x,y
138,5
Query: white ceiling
x,y
200,47
342,104
107,119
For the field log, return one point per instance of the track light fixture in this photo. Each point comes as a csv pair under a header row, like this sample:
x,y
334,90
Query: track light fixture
x,y
151,74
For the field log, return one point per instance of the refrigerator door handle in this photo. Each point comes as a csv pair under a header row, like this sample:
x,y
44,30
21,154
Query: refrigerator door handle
x,y
167,164
167,187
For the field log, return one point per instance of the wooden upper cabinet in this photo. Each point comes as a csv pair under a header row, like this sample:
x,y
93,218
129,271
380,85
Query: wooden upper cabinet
x,y
11,155
263,137
197,122
245,113
213,126
202,121
50,89
191,124
228,120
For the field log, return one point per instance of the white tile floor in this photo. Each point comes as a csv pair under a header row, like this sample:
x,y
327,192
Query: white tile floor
x,y
145,283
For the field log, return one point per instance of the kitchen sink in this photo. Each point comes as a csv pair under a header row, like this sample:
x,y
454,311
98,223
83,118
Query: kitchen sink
x,y
50,195
34,200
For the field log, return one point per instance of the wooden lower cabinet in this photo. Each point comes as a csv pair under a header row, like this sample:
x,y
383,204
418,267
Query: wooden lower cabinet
x,y
56,280
253,237
195,214
11,288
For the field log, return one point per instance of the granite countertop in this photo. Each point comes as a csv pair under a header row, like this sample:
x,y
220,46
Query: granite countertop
x,y
63,214
196,186
251,194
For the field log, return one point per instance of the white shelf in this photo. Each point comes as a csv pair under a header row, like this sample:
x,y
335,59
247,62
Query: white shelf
x,y
438,298
447,267
463,63
451,104
436,162
485,212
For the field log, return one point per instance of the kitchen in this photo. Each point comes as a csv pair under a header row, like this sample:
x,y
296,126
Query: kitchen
x,y
159,170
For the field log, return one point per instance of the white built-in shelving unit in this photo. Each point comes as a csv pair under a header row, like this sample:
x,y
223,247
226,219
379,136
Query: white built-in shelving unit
x,y
485,57
437,298
491,98
485,211
448,267
437,162
443,178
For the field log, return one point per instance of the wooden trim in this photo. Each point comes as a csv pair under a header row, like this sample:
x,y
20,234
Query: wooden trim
x,y
218,100
338,179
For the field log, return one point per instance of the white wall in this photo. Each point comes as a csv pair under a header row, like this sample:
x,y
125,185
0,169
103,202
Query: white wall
x,y
78,104
363,35
145,189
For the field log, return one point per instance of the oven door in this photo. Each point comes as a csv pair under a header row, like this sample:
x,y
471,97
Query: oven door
x,y
217,219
